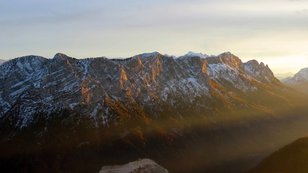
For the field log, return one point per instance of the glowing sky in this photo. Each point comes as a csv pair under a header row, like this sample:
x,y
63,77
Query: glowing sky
x,y
272,31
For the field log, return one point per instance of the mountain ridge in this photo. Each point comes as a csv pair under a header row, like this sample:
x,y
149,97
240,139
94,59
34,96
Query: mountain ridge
x,y
147,76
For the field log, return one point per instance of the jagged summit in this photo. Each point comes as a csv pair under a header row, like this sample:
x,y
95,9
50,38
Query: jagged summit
x,y
147,55
253,62
228,53
194,54
62,57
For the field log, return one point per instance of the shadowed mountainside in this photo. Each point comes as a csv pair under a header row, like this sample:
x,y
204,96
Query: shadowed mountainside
x,y
290,159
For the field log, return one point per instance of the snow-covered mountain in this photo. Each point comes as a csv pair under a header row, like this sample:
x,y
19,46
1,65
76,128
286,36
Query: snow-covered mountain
x,y
299,81
106,90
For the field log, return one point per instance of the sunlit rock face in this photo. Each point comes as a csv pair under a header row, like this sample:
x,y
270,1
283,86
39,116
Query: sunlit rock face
x,y
144,86
140,166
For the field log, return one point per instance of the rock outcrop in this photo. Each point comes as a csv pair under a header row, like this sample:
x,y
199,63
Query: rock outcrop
x,y
139,166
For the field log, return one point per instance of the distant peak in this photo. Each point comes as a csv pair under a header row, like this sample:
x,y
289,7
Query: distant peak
x,y
304,70
256,63
147,55
58,55
227,54
302,73
61,56
194,54
252,62
230,59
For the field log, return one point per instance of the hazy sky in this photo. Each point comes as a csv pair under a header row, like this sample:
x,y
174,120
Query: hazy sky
x,y
272,31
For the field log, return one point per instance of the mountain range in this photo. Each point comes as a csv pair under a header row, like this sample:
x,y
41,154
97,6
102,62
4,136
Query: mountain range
x,y
146,85
150,103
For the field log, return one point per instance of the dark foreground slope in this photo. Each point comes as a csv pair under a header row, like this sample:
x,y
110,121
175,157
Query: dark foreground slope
x,y
190,114
290,159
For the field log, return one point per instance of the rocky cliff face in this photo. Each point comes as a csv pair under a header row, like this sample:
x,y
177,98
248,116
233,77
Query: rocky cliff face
x,y
104,90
